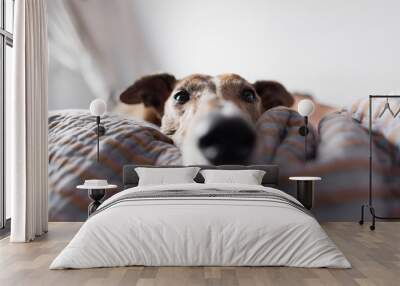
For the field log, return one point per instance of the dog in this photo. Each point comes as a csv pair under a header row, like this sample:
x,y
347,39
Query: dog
x,y
210,118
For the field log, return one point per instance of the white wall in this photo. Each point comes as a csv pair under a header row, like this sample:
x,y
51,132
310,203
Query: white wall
x,y
338,50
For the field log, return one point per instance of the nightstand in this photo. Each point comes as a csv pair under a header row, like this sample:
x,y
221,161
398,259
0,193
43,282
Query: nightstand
x,y
305,190
96,194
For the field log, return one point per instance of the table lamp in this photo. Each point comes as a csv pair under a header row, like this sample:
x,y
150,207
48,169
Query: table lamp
x,y
305,108
98,108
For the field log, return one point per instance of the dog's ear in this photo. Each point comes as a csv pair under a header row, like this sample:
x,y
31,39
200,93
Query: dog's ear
x,y
152,91
273,94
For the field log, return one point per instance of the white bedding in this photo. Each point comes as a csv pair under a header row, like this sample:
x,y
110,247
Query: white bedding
x,y
190,230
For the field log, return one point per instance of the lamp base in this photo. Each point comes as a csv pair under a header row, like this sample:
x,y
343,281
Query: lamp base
x,y
303,130
101,129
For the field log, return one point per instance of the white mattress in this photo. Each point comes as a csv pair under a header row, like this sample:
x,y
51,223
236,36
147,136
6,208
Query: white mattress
x,y
183,231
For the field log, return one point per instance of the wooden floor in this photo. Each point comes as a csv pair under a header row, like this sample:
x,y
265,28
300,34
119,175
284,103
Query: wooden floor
x,y
375,257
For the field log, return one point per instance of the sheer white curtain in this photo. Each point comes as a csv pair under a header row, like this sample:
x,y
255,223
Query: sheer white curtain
x,y
27,123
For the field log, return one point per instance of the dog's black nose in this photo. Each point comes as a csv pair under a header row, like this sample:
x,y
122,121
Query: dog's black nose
x,y
228,141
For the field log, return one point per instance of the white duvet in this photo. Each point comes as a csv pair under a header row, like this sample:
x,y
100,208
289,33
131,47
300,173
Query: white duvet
x,y
223,231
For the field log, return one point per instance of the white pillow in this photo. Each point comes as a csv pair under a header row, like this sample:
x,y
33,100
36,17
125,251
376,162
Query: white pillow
x,y
248,177
163,176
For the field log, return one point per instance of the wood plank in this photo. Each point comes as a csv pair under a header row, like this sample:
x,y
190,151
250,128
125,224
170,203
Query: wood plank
x,y
375,257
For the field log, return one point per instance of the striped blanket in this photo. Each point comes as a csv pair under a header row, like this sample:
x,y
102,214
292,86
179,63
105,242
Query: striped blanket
x,y
73,156
337,151
204,194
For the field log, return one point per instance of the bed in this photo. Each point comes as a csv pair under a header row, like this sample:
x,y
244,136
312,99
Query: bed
x,y
201,224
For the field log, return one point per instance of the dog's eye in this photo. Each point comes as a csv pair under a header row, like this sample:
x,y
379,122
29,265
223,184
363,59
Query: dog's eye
x,y
182,96
248,96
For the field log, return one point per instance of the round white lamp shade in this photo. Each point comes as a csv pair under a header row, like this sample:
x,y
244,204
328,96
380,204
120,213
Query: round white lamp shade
x,y
305,107
98,107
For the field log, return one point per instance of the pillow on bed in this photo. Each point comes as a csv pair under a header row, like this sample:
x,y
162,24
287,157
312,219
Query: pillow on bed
x,y
162,176
248,177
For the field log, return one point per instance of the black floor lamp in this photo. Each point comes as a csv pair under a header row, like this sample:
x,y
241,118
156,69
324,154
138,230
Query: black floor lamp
x,y
370,202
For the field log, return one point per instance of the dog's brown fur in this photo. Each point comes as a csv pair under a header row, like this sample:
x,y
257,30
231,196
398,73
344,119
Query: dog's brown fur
x,y
151,92
145,99
155,90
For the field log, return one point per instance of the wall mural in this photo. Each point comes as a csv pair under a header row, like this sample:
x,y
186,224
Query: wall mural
x,y
202,115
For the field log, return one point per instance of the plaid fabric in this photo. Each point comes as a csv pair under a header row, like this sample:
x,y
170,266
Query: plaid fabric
x,y
73,156
338,152
386,125
279,140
